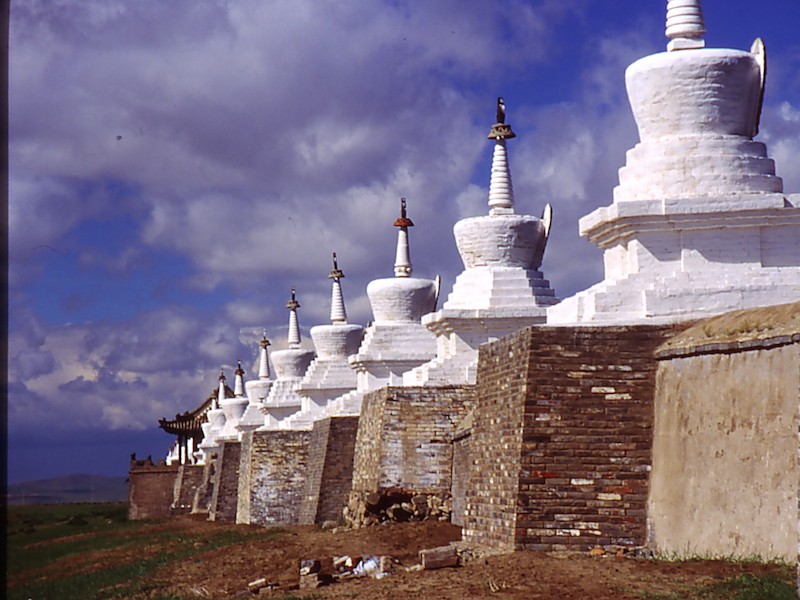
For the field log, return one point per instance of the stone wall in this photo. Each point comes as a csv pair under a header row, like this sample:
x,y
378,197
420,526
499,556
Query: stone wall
x,y
150,489
187,480
226,484
725,465
405,442
330,469
561,438
272,477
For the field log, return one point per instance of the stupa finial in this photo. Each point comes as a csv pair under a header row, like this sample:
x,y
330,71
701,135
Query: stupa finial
x,y
238,386
221,392
402,261
685,25
338,312
501,192
294,325
263,362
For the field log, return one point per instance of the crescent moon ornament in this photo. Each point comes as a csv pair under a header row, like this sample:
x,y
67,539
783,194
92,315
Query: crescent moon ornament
x,y
759,52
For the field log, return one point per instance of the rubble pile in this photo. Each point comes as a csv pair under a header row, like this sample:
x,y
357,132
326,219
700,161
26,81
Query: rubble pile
x,y
395,505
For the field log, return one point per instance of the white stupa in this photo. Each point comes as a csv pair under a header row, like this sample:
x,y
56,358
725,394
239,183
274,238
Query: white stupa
x,y
501,288
329,375
396,341
215,423
290,366
257,390
699,224
233,408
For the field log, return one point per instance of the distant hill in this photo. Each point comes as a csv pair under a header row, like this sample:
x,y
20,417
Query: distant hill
x,y
69,488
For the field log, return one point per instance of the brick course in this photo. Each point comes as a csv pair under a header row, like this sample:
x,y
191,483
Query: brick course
x,y
226,484
272,477
187,480
562,436
330,469
405,442
151,488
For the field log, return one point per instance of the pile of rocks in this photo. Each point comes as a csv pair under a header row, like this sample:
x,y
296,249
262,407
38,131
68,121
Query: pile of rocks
x,y
365,509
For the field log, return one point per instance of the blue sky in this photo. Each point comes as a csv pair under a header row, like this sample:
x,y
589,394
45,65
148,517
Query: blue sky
x,y
175,167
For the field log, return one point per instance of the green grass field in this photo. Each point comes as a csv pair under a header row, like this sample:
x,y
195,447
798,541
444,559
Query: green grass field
x,y
88,551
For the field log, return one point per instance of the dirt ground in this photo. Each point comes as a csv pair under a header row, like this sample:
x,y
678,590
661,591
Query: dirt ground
x,y
226,573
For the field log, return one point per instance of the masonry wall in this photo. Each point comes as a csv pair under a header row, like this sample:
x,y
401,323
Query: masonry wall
x,y
272,477
725,465
405,437
404,452
561,438
150,489
187,480
462,466
225,496
329,476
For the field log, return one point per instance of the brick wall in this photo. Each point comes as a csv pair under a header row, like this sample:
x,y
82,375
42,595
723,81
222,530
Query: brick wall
x,y
462,466
226,484
405,437
562,436
272,477
150,489
405,444
201,503
330,469
187,480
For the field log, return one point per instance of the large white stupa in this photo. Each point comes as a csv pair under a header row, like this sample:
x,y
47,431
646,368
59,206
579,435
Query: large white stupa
x,y
290,365
396,341
329,375
501,288
699,224
257,390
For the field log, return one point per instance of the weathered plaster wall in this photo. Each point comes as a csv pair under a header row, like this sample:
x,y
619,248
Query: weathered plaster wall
x,y
272,477
725,465
330,469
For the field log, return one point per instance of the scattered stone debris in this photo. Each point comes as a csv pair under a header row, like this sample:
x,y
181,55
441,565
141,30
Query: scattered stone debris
x,y
396,505
438,558
622,551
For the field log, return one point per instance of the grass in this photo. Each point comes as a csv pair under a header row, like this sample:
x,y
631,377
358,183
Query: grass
x,y
741,587
38,537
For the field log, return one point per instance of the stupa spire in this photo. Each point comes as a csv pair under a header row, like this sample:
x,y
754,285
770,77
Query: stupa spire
x,y
221,393
294,325
685,25
263,362
238,386
338,312
402,261
501,191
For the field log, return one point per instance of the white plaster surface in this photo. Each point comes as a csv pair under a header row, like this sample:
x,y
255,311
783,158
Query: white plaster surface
x,y
700,224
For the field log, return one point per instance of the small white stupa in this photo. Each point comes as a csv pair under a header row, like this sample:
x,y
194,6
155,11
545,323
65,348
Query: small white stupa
x,y
233,408
501,288
290,366
329,375
215,423
699,224
396,341
257,390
